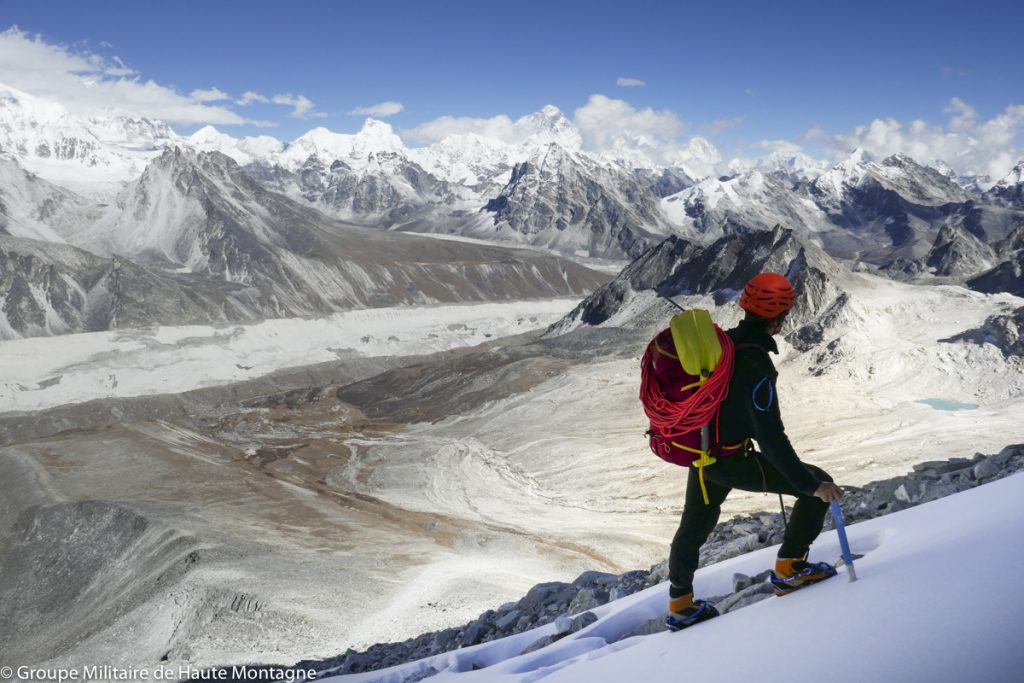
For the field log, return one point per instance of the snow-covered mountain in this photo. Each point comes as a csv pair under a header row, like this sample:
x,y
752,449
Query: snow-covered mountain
x,y
561,199
1010,189
244,150
89,154
796,165
368,177
751,201
470,159
860,209
248,253
385,189
51,289
34,208
355,150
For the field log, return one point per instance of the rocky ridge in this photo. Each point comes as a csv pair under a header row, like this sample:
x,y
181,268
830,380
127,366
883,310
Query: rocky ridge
x,y
677,268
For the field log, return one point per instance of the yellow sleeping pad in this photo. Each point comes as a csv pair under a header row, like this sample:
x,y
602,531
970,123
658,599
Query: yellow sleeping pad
x,y
696,342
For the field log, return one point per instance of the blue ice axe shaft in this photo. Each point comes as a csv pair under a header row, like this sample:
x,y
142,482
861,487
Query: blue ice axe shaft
x,y
837,514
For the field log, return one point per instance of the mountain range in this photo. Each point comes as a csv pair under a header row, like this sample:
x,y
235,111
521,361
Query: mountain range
x,y
255,227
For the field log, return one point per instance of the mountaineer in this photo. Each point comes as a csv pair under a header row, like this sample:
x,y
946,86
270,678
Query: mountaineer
x,y
708,394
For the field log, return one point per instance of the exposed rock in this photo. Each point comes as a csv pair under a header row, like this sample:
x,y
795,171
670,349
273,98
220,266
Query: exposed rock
x,y
1010,190
1008,277
986,469
563,199
543,595
676,267
958,253
747,596
1004,331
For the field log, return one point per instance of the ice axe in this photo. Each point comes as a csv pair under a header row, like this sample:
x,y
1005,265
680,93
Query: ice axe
x,y
837,514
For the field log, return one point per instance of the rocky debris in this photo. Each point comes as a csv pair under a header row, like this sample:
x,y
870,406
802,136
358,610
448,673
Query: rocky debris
x,y
758,590
568,606
1006,332
563,626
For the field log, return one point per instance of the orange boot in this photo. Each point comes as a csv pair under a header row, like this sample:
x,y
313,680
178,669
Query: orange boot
x,y
793,573
684,611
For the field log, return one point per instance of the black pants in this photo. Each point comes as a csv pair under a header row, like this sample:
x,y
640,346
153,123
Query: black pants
x,y
750,472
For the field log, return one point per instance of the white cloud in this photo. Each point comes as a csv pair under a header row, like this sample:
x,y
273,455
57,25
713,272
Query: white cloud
x,y
969,144
90,85
380,110
248,97
719,125
813,134
779,146
499,127
630,82
211,95
609,125
615,128
302,106
117,69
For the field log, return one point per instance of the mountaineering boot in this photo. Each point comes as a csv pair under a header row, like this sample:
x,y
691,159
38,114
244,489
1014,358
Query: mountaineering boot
x,y
794,573
684,611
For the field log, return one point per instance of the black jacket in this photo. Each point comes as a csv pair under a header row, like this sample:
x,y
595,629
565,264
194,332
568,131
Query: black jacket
x,y
751,407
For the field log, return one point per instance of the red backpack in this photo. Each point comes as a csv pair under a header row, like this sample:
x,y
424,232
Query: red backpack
x,y
685,375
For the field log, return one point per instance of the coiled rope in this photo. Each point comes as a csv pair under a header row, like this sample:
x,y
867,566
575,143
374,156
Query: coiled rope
x,y
673,419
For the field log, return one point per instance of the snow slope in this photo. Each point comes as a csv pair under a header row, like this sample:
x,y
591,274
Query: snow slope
x,y
904,619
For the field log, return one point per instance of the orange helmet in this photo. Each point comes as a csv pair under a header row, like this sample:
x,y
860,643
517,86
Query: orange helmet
x,y
768,295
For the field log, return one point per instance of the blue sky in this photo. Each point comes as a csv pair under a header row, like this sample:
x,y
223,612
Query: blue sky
x,y
736,73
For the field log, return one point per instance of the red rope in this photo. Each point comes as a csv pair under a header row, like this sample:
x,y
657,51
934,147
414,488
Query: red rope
x,y
673,419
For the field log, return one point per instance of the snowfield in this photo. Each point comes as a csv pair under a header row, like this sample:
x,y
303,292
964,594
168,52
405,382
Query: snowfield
x,y
934,602
40,373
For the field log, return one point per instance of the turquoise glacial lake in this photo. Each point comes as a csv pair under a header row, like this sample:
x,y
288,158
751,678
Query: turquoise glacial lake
x,y
943,404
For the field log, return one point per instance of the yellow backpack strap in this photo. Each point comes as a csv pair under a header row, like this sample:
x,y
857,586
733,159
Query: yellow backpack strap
x,y
703,461
706,459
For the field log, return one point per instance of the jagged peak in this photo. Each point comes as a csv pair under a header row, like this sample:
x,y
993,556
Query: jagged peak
x,y
372,126
900,159
1014,177
859,156
206,133
550,125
